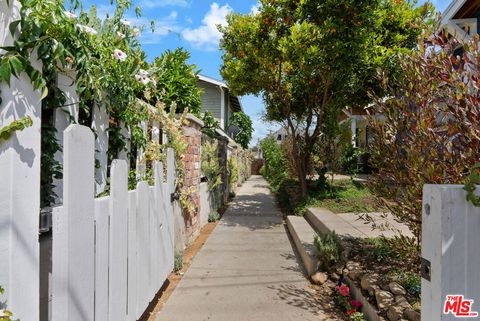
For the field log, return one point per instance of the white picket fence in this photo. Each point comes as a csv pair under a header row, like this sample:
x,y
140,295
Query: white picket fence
x,y
111,254
450,250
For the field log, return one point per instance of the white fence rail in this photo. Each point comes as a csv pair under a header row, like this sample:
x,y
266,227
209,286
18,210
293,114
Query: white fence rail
x,y
111,254
450,250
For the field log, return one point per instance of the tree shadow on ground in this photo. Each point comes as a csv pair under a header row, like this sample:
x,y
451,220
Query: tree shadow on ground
x,y
313,300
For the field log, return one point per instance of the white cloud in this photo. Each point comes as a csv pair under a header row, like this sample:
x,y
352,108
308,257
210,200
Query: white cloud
x,y
255,8
163,26
164,3
207,36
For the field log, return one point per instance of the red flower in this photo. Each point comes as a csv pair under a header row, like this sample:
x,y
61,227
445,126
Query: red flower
x,y
352,311
356,304
344,290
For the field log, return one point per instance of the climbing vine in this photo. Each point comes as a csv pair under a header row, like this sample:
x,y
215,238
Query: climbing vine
x,y
17,125
102,56
233,171
210,164
103,59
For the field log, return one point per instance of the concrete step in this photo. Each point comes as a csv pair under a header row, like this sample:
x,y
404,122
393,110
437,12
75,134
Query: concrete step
x,y
303,235
324,221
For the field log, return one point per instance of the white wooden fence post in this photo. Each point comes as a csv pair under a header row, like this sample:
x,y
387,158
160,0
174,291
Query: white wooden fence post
x,y
132,256
118,241
100,126
78,209
175,222
20,186
450,249
143,252
64,116
102,243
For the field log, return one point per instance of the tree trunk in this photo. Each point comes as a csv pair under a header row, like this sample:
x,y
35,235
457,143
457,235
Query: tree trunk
x,y
301,164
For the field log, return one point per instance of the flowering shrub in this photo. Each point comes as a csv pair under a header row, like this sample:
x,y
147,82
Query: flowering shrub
x,y
108,69
346,303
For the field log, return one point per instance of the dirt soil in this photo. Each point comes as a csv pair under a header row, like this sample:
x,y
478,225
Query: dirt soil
x,y
174,278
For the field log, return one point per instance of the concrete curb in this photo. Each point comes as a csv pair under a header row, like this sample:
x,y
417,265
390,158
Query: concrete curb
x,y
303,235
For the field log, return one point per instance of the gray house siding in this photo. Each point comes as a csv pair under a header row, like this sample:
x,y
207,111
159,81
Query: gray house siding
x,y
211,99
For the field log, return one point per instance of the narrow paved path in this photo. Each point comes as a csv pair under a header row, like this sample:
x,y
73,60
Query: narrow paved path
x,y
246,270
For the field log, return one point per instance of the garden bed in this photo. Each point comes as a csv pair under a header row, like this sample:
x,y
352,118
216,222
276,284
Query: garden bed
x,y
376,274
343,196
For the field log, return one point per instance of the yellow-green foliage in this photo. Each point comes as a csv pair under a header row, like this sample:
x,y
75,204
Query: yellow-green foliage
x,y
245,158
233,171
16,125
210,163
172,126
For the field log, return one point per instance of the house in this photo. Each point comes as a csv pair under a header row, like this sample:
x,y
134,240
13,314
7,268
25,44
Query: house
x,y
280,135
218,100
461,19
358,118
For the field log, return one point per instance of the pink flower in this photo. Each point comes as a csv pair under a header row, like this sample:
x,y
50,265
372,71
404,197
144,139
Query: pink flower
x,y
344,290
119,55
356,304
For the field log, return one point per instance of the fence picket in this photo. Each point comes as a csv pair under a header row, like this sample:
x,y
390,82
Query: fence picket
x,y
100,125
143,253
79,185
59,264
118,242
132,256
449,236
162,224
153,229
102,229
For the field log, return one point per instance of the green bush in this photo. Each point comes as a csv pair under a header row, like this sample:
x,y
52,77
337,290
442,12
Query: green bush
x,y
411,282
328,249
178,261
351,159
210,164
275,168
213,216
381,249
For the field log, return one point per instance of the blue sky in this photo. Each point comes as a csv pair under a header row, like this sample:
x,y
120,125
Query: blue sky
x,y
191,24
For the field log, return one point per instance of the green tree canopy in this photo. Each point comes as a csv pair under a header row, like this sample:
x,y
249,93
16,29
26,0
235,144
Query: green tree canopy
x,y
309,59
176,81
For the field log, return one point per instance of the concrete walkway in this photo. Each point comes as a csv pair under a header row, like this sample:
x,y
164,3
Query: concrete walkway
x,y
246,270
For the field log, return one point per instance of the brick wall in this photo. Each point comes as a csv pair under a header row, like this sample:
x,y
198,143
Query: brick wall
x,y
193,135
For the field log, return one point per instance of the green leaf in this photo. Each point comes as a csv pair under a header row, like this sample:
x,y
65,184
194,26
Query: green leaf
x,y
17,65
44,93
5,72
13,27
